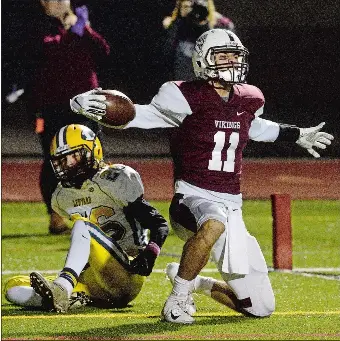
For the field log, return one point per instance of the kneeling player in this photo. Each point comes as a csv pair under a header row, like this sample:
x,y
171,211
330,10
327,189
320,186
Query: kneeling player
x,y
109,253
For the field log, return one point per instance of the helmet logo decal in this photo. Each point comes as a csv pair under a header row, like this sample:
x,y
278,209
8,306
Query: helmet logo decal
x,y
199,44
87,135
231,37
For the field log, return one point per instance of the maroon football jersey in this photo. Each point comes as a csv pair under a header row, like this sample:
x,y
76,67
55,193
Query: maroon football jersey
x,y
207,147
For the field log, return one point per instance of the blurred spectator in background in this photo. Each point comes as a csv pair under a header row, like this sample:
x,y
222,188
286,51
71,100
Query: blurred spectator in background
x,y
189,19
62,59
134,28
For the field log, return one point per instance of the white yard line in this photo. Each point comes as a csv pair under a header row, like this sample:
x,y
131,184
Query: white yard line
x,y
308,272
128,314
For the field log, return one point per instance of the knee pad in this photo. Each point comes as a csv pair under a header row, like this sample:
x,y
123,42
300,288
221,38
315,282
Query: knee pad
x,y
255,294
254,290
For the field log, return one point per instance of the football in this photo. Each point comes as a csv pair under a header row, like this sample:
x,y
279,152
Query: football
x,y
119,109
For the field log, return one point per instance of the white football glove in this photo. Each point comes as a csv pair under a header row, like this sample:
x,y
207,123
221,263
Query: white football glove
x,y
89,104
312,137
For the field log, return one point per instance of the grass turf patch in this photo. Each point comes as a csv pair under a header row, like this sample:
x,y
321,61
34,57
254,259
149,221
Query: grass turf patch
x,y
306,307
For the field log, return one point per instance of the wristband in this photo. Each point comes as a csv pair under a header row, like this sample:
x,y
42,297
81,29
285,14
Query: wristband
x,y
153,248
288,133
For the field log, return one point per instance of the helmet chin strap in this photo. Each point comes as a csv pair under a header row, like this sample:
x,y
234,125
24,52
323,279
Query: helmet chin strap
x,y
78,180
226,75
224,80
232,76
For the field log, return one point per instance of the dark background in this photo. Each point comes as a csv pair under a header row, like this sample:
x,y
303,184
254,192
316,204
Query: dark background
x,y
294,60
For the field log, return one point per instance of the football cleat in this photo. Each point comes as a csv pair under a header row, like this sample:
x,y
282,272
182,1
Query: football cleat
x,y
54,296
78,300
171,271
175,310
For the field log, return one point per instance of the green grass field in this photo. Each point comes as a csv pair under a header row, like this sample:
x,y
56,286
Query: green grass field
x,y
307,301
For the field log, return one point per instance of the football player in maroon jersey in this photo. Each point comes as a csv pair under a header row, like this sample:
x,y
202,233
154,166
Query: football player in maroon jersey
x,y
215,116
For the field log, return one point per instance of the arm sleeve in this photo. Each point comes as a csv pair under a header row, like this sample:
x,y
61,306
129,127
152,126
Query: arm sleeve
x,y
148,117
262,130
167,109
150,219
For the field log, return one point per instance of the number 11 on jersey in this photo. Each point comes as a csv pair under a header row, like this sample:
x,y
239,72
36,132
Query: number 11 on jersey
x,y
216,162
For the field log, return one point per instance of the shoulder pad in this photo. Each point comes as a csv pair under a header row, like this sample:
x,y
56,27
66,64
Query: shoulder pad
x,y
250,91
252,97
112,172
121,182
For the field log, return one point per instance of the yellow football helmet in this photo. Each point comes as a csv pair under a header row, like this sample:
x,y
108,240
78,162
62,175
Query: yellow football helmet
x,y
76,154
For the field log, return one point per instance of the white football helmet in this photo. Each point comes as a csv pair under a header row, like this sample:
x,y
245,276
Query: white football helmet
x,y
220,40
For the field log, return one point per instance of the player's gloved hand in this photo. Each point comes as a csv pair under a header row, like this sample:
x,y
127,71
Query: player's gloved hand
x,y
144,262
82,14
89,104
313,137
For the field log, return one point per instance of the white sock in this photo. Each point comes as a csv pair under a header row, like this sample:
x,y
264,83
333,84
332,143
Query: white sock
x,y
77,257
24,296
65,284
204,285
182,287
79,252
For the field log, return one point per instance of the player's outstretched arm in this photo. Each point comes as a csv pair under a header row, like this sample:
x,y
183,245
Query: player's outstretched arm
x,y
312,137
309,138
167,109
